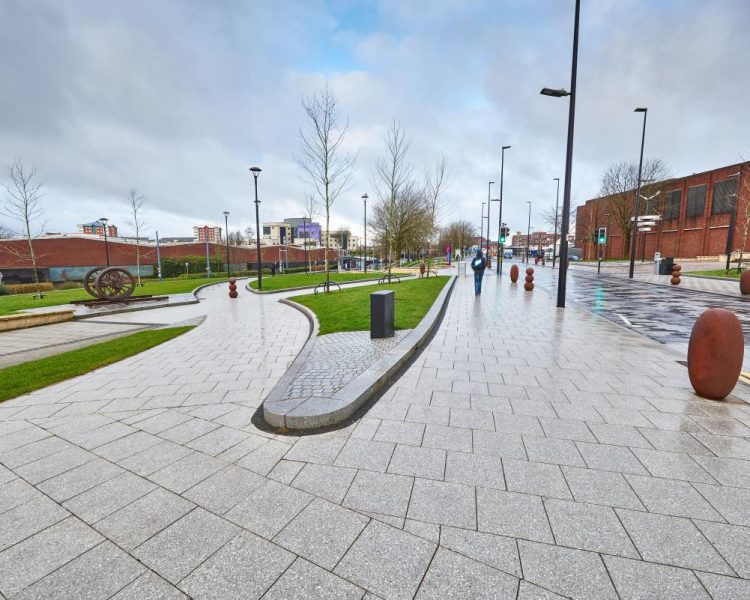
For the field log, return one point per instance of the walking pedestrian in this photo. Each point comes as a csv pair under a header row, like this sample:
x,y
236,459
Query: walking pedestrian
x,y
478,264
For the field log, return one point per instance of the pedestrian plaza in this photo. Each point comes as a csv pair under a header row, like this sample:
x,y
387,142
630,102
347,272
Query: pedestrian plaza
x,y
528,452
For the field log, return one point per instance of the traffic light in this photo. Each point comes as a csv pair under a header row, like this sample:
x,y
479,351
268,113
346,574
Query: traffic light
x,y
503,234
601,235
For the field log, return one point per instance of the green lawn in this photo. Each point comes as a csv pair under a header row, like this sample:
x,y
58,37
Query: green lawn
x,y
349,309
30,376
12,303
733,274
295,280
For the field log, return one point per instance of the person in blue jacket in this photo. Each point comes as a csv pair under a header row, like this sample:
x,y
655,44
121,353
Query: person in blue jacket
x,y
478,264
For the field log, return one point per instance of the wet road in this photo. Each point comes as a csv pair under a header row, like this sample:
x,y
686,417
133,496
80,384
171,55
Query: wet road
x,y
663,313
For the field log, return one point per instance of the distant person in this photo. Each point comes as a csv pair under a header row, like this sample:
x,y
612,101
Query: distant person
x,y
273,269
478,264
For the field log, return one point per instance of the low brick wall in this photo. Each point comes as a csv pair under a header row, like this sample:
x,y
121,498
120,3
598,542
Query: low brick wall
x,y
24,320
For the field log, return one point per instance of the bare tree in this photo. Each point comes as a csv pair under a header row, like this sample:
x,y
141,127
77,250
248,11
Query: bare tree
x,y
392,177
588,223
456,234
5,232
235,238
400,222
435,183
325,164
136,222
23,204
620,181
739,203
249,234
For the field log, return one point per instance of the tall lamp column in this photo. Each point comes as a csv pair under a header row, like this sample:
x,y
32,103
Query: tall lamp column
x,y
106,243
256,171
637,204
364,260
499,266
226,226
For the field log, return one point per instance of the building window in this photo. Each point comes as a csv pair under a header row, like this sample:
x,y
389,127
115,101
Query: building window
x,y
696,201
672,205
723,196
266,230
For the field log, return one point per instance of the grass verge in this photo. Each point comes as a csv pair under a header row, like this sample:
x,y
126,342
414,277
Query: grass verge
x,y
295,280
349,309
154,287
36,374
720,273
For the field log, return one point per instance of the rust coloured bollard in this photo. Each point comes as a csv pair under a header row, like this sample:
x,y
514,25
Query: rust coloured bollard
x,y
514,273
745,282
676,275
232,287
529,285
715,353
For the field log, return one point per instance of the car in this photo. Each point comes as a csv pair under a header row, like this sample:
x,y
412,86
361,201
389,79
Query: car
x,y
574,257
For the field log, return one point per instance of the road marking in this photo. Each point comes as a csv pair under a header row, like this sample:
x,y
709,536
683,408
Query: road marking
x,y
745,377
628,323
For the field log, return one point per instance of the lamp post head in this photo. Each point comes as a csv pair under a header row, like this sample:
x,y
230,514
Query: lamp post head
x,y
104,220
255,171
555,93
506,147
226,213
365,197
643,110
555,179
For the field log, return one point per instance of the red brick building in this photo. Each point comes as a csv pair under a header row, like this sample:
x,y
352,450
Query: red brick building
x,y
696,214
61,257
97,228
201,232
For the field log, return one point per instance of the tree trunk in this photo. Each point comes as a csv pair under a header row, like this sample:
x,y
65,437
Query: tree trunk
x,y
33,262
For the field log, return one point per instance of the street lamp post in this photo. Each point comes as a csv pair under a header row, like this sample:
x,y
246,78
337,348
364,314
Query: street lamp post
x,y
256,171
481,227
304,240
158,257
554,237
636,207
364,261
499,266
528,232
489,204
562,279
226,225
106,243
208,256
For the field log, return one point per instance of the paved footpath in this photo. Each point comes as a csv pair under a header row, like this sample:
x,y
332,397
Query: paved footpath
x,y
527,453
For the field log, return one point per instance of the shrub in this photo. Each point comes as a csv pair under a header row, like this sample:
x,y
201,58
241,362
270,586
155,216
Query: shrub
x,y
69,285
28,288
4,290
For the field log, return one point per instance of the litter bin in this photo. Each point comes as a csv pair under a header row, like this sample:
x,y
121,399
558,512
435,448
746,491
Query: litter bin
x,y
461,268
657,262
666,264
381,314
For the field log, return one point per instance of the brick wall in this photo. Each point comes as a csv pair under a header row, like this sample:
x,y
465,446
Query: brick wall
x,y
684,237
81,252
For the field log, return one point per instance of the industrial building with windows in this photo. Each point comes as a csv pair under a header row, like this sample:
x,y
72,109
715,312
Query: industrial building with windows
x,y
702,215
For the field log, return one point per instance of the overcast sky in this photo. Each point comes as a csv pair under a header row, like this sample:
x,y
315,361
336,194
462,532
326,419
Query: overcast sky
x,y
178,98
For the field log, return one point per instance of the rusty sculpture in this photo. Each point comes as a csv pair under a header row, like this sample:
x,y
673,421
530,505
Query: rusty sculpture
x,y
109,283
514,273
529,285
676,275
715,353
745,282
232,287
